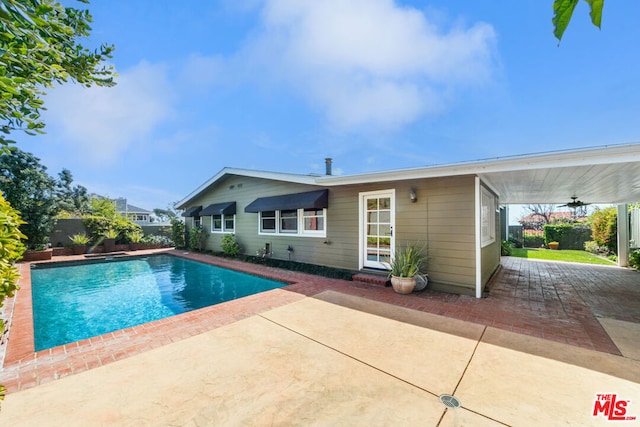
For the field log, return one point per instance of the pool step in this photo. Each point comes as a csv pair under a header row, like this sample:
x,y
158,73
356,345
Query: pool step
x,y
373,279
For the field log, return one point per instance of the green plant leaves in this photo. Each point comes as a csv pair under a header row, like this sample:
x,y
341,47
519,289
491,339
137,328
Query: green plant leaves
x,y
563,11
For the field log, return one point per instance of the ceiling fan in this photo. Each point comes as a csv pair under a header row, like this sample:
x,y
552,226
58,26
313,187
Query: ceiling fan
x,y
574,203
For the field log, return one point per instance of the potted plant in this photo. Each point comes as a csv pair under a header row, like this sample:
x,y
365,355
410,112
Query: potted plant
x,y
405,266
80,242
554,245
109,241
135,239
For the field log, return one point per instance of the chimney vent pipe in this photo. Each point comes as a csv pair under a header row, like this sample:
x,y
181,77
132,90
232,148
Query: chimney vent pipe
x,y
327,163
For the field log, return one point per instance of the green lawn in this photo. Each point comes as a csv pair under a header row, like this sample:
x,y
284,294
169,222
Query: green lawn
x,y
567,255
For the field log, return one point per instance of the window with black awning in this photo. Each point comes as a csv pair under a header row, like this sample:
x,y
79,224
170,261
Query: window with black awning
x,y
192,212
318,199
227,208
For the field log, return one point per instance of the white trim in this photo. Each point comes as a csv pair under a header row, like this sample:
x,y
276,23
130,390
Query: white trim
x,y
489,199
623,235
300,232
613,154
224,228
478,237
361,210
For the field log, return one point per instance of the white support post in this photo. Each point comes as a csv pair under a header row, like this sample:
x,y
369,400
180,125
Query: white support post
x,y
478,236
623,235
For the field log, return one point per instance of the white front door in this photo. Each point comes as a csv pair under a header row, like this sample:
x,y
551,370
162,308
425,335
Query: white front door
x,y
377,216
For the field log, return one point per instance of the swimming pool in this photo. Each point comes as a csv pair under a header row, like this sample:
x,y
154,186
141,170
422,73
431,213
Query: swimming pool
x,y
72,303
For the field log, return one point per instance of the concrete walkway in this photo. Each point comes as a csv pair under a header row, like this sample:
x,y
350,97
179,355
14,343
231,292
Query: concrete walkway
x,y
336,359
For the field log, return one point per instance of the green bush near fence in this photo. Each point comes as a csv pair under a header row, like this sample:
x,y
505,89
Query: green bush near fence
x,y
533,241
570,236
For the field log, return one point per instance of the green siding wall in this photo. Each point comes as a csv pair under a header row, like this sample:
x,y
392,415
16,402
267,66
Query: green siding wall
x,y
442,219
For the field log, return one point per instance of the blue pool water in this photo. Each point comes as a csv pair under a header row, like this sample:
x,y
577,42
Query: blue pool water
x,y
76,302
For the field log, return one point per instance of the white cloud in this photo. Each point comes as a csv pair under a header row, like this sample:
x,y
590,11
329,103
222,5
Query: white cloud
x,y
368,62
101,123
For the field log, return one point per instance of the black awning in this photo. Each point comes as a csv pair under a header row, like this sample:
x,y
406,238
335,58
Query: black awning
x,y
310,200
228,208
192,211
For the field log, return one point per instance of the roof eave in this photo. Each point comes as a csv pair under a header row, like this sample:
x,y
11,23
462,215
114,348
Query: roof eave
x,y
276,176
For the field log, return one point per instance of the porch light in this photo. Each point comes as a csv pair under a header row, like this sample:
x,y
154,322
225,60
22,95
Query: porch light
x,y
412,195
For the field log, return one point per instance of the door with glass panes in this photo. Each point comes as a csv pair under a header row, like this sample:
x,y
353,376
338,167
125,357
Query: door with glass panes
x,y
378,210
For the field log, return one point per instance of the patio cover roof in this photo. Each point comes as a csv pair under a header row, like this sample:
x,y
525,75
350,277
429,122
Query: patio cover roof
x,y
609,174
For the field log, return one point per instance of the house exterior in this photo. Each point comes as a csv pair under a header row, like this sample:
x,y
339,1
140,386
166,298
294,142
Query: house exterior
x,y
137,215
457,211
356,222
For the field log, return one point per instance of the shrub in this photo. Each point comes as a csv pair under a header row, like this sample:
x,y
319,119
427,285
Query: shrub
x,y
533,241
177,233
515,243
11,249
591,246
604,228
154,239
196,237
230,246
634,259
507,248
99,226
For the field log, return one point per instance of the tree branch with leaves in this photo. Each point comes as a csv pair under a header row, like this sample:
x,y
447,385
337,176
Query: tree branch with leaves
x,y
563,11
39,47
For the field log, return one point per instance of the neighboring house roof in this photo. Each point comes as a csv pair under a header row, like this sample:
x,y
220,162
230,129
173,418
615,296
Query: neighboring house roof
x,y
609,174
123,207
553,216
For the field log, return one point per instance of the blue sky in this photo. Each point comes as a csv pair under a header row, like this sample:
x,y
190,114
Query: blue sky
x,y
278,85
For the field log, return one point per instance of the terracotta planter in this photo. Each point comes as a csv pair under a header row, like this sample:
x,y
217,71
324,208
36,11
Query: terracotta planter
x,y
403,285
554,246
109,245
37,255
79,249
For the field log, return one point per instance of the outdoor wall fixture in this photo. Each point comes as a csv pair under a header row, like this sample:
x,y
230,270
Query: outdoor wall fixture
x,y
412,195
290,248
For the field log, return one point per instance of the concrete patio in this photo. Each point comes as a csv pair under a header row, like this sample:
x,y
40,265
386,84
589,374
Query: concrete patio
x,y
324,351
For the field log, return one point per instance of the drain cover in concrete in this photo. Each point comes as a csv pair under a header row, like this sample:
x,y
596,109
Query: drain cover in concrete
x,y
449,401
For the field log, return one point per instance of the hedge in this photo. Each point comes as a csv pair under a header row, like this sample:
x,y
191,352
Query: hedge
x,y
570,236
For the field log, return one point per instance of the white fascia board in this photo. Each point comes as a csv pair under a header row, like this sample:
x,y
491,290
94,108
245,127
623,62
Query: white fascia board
x,y
276,176
593,156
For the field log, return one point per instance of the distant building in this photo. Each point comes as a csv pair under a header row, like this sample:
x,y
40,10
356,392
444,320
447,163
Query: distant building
x,y
137,215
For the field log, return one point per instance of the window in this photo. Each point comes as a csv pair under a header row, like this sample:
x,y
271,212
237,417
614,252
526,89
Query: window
x,y
223,223
196,221
229,223
313,221
301,222
289,221
488,218
268,222
216,223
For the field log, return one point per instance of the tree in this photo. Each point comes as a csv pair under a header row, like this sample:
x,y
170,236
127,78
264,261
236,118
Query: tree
x,y
165,215
39,47
74,201
544,214
604,228
31,191
563,10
